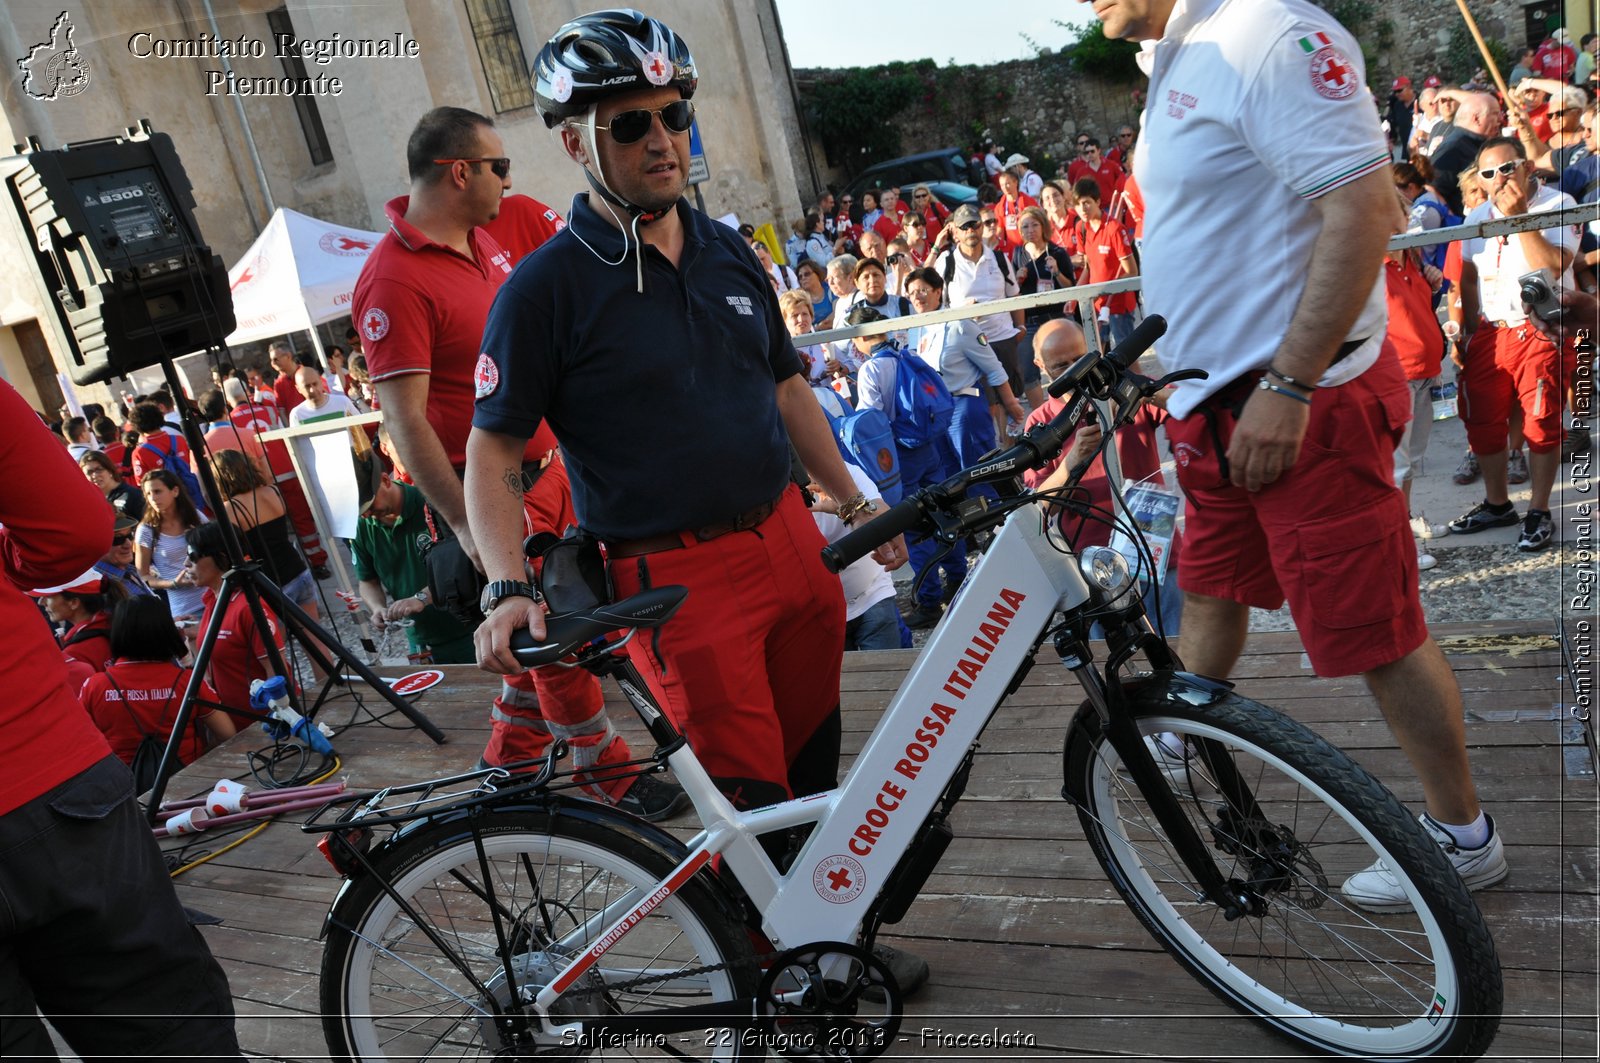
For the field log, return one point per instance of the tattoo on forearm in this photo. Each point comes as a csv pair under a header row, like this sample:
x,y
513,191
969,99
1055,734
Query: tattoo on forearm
x,y
513,479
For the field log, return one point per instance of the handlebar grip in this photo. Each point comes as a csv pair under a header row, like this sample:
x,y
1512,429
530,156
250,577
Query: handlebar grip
x,y
1139,340
842,553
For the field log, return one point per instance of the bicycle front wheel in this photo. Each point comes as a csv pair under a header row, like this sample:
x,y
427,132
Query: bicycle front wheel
x,y
429,978
1305,961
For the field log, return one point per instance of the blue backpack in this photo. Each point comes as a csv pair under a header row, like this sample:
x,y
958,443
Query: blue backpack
x,y
922,404
1434,254
180,469
865,441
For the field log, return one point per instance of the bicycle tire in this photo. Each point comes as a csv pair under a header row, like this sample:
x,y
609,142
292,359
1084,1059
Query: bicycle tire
x,y
1312,966
389,992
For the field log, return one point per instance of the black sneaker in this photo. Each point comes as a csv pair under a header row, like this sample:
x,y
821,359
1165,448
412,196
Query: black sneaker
x,y
652,799
1480,518
923,616
910,970
1538,531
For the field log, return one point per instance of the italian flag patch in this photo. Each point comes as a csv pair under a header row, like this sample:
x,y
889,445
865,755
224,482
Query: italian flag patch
x,y
1313,42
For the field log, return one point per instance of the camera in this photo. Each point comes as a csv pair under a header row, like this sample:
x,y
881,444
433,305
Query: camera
x,y
1539,293
897,257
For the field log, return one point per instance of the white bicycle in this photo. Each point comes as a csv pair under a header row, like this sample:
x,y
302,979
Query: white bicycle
x,y
493,916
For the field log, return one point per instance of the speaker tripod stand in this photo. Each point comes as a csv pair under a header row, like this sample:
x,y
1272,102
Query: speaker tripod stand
x,y
246,578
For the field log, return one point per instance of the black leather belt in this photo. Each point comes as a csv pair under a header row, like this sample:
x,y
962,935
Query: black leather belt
x,y
655,544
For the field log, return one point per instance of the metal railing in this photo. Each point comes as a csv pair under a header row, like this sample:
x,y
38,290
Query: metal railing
x,y
1081,292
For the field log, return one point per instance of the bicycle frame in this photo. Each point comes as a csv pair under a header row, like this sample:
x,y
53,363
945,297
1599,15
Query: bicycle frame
x,y
863,828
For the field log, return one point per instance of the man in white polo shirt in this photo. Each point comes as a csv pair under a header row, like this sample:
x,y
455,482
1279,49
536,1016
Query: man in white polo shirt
x,y
1286,450
1507,360
974,273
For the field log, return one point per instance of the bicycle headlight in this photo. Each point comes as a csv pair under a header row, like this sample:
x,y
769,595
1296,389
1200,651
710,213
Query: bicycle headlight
x,y
1107,571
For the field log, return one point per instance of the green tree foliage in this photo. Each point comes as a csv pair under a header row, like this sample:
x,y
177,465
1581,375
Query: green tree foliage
x,y
1462,58
855,111
1095,53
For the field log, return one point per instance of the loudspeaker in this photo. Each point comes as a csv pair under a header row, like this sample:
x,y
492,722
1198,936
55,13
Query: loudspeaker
x,y
117,245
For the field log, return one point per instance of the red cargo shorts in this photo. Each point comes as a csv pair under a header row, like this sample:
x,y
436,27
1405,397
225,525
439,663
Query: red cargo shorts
x,y
1331,536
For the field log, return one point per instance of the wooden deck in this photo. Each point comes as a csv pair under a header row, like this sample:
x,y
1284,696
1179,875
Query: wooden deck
x,y
1021,929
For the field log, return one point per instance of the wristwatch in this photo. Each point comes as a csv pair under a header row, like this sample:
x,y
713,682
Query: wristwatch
x,y
501,589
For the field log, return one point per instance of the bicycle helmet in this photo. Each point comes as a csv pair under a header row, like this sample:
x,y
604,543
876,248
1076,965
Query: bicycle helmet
x,y
603,53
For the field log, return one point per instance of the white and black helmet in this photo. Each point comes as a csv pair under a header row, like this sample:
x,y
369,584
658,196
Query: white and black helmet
x,y
607,52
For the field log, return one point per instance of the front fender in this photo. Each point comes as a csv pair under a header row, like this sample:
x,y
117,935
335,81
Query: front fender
x,y
553,805
1140,695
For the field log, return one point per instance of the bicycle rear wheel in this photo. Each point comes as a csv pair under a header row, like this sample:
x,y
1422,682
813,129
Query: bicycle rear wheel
x,y
1307,963
396,985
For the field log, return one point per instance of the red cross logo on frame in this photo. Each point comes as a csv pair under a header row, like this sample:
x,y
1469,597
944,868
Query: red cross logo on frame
x,y
1332,74
839,879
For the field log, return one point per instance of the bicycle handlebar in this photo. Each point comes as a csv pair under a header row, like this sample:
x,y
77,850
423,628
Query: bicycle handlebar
x,y
1030,451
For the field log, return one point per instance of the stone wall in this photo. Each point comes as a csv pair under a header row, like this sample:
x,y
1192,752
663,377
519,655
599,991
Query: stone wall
x,y
1047,101
1043,99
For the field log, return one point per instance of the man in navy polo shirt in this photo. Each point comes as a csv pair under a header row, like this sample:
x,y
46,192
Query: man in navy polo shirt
x,y
420,303
647,338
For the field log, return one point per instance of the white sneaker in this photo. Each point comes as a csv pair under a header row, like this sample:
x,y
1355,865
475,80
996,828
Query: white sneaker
x,y
1423,530
1425,560
1177,763
1377,890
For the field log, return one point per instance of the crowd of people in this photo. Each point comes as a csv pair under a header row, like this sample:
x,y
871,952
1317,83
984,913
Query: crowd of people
x,y
499,391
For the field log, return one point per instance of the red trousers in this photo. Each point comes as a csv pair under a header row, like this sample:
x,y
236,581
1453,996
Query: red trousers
x,y
748,669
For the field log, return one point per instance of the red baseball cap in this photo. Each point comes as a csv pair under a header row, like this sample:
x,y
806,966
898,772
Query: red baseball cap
x,y
1401,82
1431,82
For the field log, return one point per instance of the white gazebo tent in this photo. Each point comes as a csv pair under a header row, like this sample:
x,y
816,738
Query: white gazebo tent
x,y
299,273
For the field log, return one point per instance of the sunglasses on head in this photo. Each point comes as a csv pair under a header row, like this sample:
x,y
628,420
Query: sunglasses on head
x,y
1505,168
499,166
629,126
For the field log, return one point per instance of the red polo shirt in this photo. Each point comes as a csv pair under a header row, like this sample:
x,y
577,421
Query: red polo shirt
x,y
253,418
522,225
1109,177
287,394
420,307
1009,212
236,659
1103,250
48,736
134,695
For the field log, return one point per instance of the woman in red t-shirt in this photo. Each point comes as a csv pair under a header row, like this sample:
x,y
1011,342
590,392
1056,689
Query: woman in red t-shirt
x,y
140,692
84,605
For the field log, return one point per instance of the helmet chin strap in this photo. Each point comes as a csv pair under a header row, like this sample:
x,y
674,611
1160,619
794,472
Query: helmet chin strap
x,y
637,215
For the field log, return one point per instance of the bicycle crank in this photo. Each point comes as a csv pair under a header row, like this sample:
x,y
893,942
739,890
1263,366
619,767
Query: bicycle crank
x,y
828,1000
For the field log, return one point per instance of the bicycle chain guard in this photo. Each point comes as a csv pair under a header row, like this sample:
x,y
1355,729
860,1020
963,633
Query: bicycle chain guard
x,y
828,1000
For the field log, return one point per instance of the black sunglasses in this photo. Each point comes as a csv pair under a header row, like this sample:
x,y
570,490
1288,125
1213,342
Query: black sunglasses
x,y
967,226
500,166
629,126
121,540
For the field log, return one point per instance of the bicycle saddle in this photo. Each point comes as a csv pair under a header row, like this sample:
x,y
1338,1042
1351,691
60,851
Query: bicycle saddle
x,y
569,632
